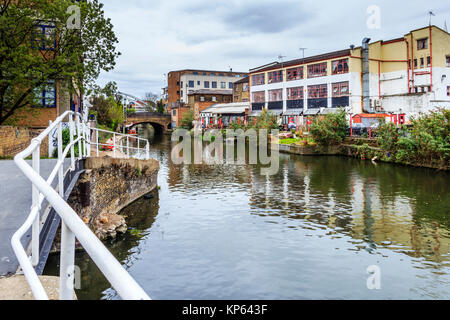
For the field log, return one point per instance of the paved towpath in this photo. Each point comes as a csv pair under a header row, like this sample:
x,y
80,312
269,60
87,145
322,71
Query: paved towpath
x,y
15,205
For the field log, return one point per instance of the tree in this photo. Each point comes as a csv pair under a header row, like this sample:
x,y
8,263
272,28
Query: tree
x,y
151,100
160,108
109,112
186,121
34,52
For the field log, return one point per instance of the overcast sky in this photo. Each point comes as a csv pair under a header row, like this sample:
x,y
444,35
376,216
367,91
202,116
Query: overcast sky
x,y
160,36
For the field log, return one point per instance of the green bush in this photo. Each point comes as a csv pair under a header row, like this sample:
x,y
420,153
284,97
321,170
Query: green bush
x,y
66,142
330,129
425,141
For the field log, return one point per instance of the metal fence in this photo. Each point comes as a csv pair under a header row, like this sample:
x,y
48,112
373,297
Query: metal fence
x,y
71,226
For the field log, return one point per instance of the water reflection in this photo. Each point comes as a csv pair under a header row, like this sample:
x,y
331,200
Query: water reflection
x,y
310,231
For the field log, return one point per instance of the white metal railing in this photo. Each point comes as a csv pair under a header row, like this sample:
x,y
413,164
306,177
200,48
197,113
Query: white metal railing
x,y
71,224
117,147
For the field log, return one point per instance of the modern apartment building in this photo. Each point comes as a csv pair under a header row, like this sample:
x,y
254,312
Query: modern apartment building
x,y
407,75
183,82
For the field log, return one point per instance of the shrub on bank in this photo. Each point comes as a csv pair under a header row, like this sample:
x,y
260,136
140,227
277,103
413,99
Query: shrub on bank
x,y
425,141
330,129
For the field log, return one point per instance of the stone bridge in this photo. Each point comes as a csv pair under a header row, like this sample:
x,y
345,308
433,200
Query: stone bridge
x,y
160,122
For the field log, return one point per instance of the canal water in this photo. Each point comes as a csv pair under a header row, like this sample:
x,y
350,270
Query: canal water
x,y
309,232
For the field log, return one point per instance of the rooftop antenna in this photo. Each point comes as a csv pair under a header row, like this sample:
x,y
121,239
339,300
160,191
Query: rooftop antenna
x,y
303,50
445,25
431,14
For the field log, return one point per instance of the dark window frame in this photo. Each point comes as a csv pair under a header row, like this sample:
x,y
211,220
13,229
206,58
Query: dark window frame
x,y
293,74
340,66
318,70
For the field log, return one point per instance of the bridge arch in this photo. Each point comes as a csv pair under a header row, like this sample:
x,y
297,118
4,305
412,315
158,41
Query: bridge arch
x,y
160,122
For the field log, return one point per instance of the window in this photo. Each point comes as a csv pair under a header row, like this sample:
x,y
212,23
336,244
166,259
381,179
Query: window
x,y
178,83
236,87
428,61
422,62
43,37
340,66
182,84
448,91
258,79
448,61
221,75
214,99
340,89
295,93
213,74
230,85
191,84
295,74
206,84
46,97
422,44
258,97
214,84
198,83
317,70
276,95
245,87
202,99
223,85
415,63
276,76
181,93
318,91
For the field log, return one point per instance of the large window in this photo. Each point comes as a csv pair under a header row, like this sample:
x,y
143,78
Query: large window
x,y
223,85
295,93
206,84
258,97
448,61
317,70
43,37
295,74
245,87
422,44
318,91
275,76
230,85
275,95
45,97
214,84
340,66
191,84
340,89
258,79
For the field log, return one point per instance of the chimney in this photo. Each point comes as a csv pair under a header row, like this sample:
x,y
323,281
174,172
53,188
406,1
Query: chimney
x,y
366,77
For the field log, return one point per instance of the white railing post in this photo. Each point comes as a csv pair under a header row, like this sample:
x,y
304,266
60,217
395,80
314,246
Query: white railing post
x,y
147,149
96,135
36,204
77,121
89,140
67,264
128,147
114,144
72,149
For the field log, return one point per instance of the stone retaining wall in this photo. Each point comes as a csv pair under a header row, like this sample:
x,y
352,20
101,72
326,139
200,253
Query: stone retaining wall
x,y
108,186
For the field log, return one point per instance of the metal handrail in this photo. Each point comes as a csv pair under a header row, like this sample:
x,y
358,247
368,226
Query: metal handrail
x,y
72,225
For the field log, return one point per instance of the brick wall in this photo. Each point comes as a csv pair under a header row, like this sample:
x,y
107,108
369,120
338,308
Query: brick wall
x,y
16,139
